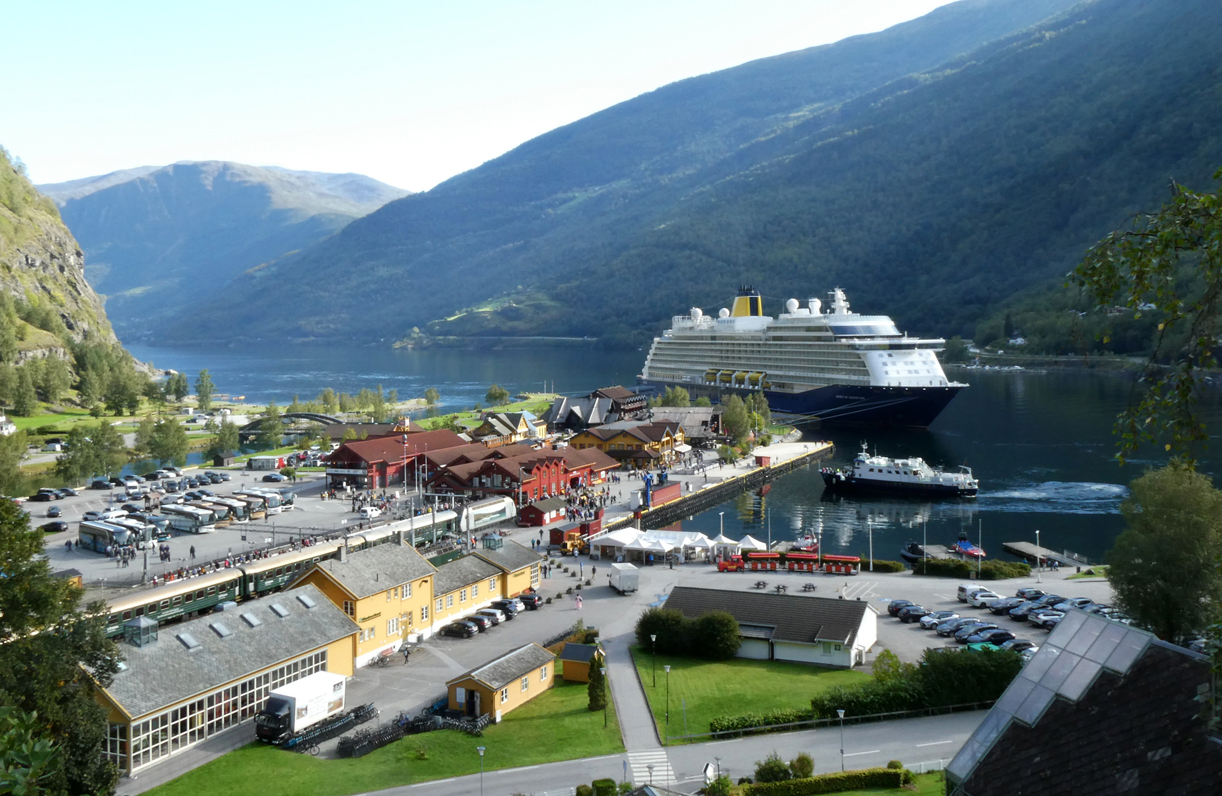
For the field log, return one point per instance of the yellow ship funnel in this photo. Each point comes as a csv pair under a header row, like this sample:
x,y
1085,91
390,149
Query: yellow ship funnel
x,y
747,303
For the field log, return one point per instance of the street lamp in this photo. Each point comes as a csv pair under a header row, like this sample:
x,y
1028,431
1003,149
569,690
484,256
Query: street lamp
x,y
480,749
1039,559
650,767
840,713
721,520
653,650
667,668
603,669
870,527
718,759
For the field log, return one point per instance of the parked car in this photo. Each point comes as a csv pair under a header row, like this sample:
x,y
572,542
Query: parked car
x,y
459,629
224,476
509,607
967,631
492,613
115,480
206,492
67,492
54,511
132,479
951,626
274,478
1072,602
99,483
894,607
41,497
966,590
1042,618
532,601
153,476
1019,613
53,527
992,636
982,599
1052,621
481,623
1019,644
1030,593
175,470
912,613
90,516
931,621
131,508
1023,612
1004,605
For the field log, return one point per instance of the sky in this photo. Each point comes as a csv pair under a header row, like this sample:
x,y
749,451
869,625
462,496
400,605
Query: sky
x,y
410,93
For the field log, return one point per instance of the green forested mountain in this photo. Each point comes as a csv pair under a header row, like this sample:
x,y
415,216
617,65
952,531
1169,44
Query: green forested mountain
x,y
933,170
156,238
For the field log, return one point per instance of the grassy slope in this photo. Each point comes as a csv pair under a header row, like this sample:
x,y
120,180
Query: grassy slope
x,y
555,726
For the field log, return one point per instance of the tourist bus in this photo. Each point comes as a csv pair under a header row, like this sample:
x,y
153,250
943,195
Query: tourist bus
x,y
189,519
99,536
270,500
239,510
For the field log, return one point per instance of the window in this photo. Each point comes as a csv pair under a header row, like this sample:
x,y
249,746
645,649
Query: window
x,y
462,596
450,600
390,593
392,626
491,585
440,605
406,588
349,608
368,633
504,695
424,613
474,591
525,683
543,674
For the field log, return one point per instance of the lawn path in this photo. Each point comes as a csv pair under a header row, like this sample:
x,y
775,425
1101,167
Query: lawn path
x,y
637,727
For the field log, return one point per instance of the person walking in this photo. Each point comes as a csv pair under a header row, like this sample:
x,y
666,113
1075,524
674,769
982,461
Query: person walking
x,y
192,552
578,602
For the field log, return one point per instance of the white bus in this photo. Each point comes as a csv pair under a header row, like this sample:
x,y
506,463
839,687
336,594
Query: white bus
x,y
189,519
271,500
98,536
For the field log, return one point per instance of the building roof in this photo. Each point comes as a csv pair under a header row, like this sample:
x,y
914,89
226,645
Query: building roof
x,y
579,653
462,572
510,557
548,504
792,617
367,572
509,667
694,420
1102,708
393,448
166,671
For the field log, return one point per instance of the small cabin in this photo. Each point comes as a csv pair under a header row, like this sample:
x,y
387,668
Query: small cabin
x,y
578,658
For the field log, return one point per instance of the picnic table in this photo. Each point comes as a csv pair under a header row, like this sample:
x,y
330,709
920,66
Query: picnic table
x,y
761,584
781,588
809,587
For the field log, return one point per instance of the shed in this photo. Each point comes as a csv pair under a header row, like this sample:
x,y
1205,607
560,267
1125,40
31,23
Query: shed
x,y
503,684
542,512
224,459
577,661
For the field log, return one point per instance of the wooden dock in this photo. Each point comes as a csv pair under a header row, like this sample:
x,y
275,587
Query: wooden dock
x,y
936,551
1032,553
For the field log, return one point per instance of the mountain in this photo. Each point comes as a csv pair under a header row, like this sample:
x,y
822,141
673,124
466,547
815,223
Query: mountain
x,y
933,170
42,271
158,237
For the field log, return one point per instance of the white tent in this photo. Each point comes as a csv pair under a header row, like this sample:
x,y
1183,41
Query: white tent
x,y
722,539
751,543
650,546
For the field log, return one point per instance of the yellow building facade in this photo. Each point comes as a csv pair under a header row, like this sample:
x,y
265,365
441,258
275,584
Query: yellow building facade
x,y
503,684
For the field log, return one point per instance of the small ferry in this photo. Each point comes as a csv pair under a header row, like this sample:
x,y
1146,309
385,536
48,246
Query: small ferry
x,y
874,473
966,549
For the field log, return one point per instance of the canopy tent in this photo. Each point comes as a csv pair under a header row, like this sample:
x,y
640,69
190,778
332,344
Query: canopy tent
x,y
721,539
650,546
751,543
612,544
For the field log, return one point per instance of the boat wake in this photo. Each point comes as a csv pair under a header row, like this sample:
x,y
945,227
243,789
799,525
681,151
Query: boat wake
x,y
1058,497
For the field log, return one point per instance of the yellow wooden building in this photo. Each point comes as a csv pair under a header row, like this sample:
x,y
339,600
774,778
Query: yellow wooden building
x,y
578,658
519,565
463,586
635,444
183,684
387,590
503,684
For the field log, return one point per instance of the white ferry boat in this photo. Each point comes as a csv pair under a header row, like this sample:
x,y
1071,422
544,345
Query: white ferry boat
x,y
835,366
899,476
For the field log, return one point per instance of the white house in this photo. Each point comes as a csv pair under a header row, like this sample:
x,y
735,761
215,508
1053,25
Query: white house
x,y
788,627
7,426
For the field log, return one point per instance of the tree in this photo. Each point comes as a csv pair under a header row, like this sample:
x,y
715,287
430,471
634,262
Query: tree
x,y
54,380
955,351
52,674
1168,263
169,443
271,430
1164,566
203,390
143,445
676,396
772,769
735,420
702,401
802,766
12,477
496,395
25,756
597,688
722,786
227,439
295,406
25,401
718,635
155,393
431,396
176,386
330,405
91,450
122,391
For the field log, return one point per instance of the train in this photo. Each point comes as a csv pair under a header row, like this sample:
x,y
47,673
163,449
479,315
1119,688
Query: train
x,y
187,597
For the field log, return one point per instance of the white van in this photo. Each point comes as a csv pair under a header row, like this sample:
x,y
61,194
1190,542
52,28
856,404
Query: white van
x,y
370,513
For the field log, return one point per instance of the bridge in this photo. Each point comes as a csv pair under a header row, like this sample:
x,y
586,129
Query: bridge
x,y
252,428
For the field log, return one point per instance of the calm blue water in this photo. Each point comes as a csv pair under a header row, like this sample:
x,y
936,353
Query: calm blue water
x,y
1041,444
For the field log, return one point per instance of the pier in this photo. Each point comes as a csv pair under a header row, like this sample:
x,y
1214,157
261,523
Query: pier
x,y
1032,553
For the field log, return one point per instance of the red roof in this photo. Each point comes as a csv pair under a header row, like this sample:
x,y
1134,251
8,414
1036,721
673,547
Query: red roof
x,y
391,449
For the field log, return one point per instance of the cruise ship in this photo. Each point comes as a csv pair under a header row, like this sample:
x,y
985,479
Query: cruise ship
x,y
834,366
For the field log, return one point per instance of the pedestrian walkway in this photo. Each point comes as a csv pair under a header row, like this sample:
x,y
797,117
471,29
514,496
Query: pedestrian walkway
x,y
636,724
651,768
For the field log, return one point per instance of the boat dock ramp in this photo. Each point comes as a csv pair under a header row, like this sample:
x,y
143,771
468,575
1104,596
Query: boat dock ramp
x,y
1031,553
934,551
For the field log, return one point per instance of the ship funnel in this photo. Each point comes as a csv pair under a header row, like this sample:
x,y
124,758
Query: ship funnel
x,y
816,306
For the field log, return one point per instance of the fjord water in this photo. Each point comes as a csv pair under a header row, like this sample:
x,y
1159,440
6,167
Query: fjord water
x,y
1040,443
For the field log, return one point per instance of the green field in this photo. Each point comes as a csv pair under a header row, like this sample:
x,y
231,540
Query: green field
x,y
552,727
705,690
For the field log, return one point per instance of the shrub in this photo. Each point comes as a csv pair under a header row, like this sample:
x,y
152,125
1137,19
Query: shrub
x,y
802,766
719,787
888,566
716,636
956,568
772,769
584,790
744,780
830,783
667,625
747,721
894,764
603,787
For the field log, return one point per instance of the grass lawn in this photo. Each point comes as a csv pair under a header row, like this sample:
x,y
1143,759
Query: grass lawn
x,y
932,784
727,688
1095,571
555,726
64,420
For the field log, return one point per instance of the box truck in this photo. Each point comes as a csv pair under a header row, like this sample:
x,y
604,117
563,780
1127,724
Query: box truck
x,y
299,705
624,578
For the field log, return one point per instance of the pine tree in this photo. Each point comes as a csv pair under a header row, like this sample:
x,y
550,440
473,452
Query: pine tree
x,y
597,689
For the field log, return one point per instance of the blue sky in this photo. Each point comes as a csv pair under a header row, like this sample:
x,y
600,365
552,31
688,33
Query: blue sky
x,y
410,93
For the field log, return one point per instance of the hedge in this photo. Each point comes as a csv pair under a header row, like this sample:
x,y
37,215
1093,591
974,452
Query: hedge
x,y
830,783
957,568
747,721
887,566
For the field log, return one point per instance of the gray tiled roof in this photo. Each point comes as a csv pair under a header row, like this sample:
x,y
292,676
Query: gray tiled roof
x,y
165,672
367,572
462,572
582,653
510,666
511,556
795,618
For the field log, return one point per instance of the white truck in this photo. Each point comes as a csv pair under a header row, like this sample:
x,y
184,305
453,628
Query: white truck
x,y
294,707
624,578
